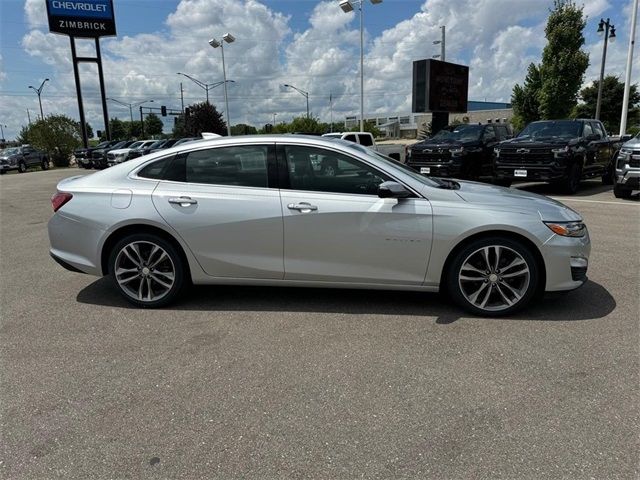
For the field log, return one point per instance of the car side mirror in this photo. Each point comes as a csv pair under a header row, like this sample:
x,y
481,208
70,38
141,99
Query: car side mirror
x,y
392,190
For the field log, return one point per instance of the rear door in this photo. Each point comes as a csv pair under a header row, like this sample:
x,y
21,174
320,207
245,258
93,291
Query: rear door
x,y
603,146
223,203
337,229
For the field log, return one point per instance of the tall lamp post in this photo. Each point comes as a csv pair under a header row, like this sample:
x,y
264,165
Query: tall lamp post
x,y
301,92
205,86
627,79
442,43
130,105
2,127
227,37
347,6
609,31
39,93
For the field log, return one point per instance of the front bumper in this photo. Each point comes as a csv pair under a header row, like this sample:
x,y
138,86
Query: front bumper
x,y
566,262
6,167
628,178
436,169
546,173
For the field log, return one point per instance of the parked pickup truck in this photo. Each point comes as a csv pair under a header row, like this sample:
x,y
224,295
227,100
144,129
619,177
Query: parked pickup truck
x,y
395,151
21,158
461,151
627,169
561,152
84,156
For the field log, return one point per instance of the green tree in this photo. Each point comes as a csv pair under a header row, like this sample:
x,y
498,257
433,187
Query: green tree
x,y
309,126
58,135
118,130
563,60
243,129
525,98
204,117
611,104
153,125
134,129
89,130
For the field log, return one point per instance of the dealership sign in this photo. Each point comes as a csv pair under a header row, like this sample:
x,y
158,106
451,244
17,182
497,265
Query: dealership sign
x,y
439,87
81,18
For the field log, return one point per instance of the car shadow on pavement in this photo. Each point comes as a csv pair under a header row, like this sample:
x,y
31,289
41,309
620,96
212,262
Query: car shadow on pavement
x,y
587,188
591,301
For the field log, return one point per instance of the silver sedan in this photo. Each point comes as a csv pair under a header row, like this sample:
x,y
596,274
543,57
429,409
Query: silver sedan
x,y
311,212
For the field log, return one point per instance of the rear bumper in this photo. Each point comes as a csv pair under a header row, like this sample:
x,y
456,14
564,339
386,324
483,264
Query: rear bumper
x,y
74,244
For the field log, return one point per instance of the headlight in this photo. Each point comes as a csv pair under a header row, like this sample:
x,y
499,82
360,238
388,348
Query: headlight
x,y
560,151
457,151
567,229
626,151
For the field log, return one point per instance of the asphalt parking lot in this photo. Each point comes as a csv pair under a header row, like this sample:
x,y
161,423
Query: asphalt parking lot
x,y
241,382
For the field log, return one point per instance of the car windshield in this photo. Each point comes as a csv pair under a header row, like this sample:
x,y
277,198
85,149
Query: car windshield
x,y
135,144
157,144
459,133
119,145
10,151
103,144
552,129
394,163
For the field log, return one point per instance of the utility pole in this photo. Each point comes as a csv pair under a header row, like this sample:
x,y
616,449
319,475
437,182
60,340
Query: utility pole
x,y
603,27
28,116
442,45
182,97
331,111
141,123
627,81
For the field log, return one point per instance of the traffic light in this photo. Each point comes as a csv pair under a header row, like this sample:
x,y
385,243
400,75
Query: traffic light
x,y
163,111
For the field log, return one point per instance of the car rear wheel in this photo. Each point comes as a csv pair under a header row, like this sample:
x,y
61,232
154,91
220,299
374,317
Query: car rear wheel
x,y
22,167
493,277
147,270
45,164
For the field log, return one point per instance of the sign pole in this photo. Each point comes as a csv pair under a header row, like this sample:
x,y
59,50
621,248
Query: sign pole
x,y
103,95
83,123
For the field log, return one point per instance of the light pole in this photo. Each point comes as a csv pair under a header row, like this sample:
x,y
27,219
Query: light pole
x,y
274,119
442,44
609,31
39,92
2,127
346,6
227,37
205,86
627,80
130,105
302,92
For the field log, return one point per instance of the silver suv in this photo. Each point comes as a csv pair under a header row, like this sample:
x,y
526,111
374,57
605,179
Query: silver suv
x,y
627,177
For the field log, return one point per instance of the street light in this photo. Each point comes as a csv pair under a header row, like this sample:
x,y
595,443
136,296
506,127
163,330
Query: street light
x,y
347,6
205,86
2,127
130,105
39,92
609,31
227,37
302,92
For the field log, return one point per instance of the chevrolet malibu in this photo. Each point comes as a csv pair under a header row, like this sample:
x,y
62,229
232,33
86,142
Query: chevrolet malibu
x,y
254,211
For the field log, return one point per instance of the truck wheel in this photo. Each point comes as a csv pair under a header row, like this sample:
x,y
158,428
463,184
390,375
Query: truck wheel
x,y
22,167
620,192
45,164
608,176
572,183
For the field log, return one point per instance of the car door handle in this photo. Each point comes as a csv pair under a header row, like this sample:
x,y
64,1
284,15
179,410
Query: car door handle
x,y
183,201
302,207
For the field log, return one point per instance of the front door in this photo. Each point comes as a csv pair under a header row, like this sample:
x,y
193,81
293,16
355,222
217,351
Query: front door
x,y
337,229
220,201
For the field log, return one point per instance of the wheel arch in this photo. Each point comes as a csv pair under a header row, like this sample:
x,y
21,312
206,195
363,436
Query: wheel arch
x,y
535,251
137,228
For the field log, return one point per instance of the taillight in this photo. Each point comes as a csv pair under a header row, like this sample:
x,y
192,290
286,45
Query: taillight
x,y
59,199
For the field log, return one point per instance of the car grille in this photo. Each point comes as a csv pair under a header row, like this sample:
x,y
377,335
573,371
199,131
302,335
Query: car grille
x,y
434,155
526,156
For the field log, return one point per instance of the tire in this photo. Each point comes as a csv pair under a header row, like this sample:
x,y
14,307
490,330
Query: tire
x,y
620,192
608,176
492,294
22,167
571,184
142,260
45,164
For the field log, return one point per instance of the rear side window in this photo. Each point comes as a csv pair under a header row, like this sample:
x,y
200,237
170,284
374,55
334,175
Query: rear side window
x,y
242,166
351,138
155,169
365,140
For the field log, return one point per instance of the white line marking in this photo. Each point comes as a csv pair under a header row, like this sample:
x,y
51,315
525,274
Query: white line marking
x,y
568,199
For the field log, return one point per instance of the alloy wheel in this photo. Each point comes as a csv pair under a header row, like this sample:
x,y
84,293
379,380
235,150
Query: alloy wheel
x,y
144,271
494,278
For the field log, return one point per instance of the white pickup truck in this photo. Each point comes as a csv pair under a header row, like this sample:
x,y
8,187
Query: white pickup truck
x,y
395,151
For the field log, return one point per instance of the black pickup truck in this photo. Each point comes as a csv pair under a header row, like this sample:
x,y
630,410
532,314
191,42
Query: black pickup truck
x,y
460,151
561,152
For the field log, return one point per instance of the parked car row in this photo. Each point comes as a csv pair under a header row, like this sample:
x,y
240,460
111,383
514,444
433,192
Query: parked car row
x,y
561,152
113,152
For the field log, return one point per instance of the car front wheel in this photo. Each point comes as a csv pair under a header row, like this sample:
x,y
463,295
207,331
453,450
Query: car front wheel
x,y
22,167
147,270
620,192
493,277
45,164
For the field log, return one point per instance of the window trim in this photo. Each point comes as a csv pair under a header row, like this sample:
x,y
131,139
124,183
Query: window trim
x,y
285,182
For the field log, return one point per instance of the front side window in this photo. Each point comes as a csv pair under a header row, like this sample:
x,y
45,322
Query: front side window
x,y
597,129
318,170
587,130
243,166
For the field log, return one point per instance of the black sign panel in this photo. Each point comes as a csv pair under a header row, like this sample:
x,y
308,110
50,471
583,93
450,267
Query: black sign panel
x,y
81,18
439,87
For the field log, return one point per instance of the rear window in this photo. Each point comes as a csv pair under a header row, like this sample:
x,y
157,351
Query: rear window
x,y
155,169
365,140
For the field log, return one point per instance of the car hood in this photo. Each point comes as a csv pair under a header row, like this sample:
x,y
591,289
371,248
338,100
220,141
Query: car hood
x,y
444,144
634,143
7,157
120,150
543,142
519,200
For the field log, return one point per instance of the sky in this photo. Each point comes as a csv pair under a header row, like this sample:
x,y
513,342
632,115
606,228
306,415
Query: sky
x,y
311,44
